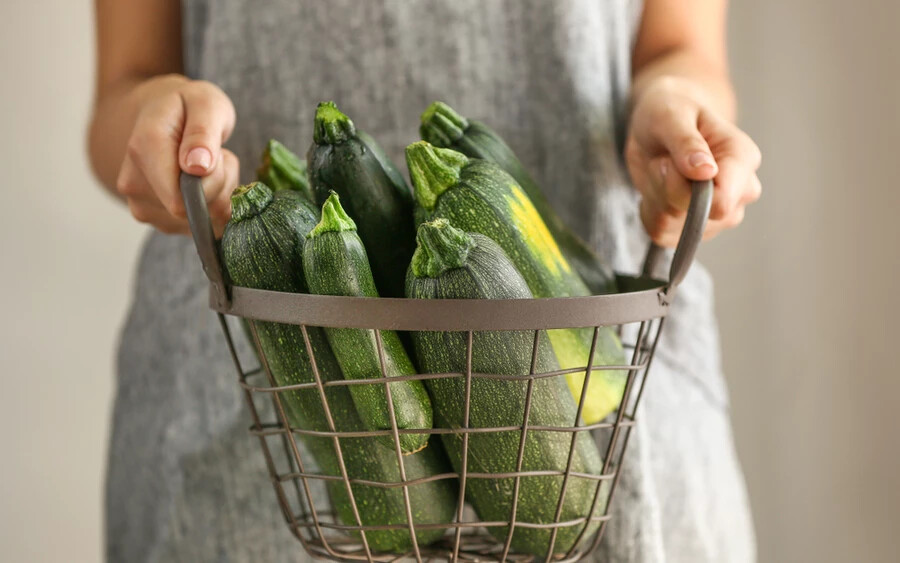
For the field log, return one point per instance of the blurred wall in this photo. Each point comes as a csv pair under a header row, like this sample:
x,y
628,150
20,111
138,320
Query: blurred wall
x,y
804,288
67,252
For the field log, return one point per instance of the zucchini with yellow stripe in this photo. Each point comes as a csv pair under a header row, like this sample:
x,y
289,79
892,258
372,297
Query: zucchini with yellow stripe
x,y
443,127
478,196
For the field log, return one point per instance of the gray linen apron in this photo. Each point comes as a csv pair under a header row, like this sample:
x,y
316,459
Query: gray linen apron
x,y
186,482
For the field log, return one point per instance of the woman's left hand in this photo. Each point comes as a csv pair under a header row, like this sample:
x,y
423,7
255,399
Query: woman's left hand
x,y
675,138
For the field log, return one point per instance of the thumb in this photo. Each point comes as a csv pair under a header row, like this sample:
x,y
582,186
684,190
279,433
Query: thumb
x,y
689,150
208,121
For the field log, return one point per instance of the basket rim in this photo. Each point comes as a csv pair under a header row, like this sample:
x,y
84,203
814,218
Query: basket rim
x,y
643,299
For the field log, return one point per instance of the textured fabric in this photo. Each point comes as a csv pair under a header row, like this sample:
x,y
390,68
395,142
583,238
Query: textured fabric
x,y
186,482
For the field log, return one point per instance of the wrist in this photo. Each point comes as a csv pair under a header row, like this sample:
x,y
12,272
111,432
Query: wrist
x,y
686,76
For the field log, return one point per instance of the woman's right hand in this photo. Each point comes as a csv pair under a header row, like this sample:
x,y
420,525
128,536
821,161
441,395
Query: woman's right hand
x,y
181,125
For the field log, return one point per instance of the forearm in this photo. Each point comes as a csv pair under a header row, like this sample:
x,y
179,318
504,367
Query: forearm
x,y
115,112
693,74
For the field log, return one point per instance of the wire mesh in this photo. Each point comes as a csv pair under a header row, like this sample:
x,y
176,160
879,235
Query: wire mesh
x,y
306,487
300,483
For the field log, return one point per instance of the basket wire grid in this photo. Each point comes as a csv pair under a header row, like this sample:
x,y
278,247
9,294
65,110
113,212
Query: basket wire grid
x,y
638,313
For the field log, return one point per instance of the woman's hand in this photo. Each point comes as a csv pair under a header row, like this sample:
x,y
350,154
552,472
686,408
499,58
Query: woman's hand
x,y
675,138
180,126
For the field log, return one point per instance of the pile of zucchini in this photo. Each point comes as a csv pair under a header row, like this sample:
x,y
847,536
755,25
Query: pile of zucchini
x,y
474,225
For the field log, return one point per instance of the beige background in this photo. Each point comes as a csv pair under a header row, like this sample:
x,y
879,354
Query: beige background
x,y
805,288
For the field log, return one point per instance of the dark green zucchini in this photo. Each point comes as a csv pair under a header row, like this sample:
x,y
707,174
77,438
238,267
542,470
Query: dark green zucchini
x,y
376,195
451,264
262,249
443,127
478,196
335,263
282,170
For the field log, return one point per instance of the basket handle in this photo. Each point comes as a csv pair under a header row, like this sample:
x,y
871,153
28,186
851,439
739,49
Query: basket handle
x,y
204,238
691,235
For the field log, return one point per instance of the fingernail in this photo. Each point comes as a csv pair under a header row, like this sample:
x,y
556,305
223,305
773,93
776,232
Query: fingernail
x,y
699,159
663,169
199,157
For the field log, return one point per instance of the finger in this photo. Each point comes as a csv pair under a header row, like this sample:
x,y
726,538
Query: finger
x,y
220,208
716,227
752,192
734,179
214,183
677,130
739,159
153,147
131,182
209,121
647,175
154,214
662,227
675,189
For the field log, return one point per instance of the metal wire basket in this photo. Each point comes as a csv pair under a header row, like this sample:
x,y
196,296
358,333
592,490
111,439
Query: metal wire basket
x,y
637,312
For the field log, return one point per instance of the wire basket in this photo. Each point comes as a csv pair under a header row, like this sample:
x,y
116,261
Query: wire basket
x,y
637,313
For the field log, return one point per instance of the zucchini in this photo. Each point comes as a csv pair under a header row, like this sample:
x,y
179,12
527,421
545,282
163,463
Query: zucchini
x,y
451,264
335,263
282,170
262,249
443,127
478,196
377,197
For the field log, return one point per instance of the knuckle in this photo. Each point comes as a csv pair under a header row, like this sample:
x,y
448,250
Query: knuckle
x,y
136,145
211,93
689,141
750,149
197,130
140,213
665,111
721,208
735,218
149,140
755,190
204,87
175,206
232,164
126,186
755,154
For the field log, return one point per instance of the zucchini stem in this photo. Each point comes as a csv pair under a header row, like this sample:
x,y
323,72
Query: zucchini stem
x,y
281,169
433,171
249,200
441,125
441,247
332,127
334,218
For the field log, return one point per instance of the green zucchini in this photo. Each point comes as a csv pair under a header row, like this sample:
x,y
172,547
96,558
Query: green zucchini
x,y
377,197
335,263
443,127
282,170
478,196
262,248
451,264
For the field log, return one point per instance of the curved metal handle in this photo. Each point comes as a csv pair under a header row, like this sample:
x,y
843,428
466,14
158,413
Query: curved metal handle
x,y
204,238
691,235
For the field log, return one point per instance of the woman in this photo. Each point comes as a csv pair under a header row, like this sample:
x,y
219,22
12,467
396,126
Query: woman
x,y
573,85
